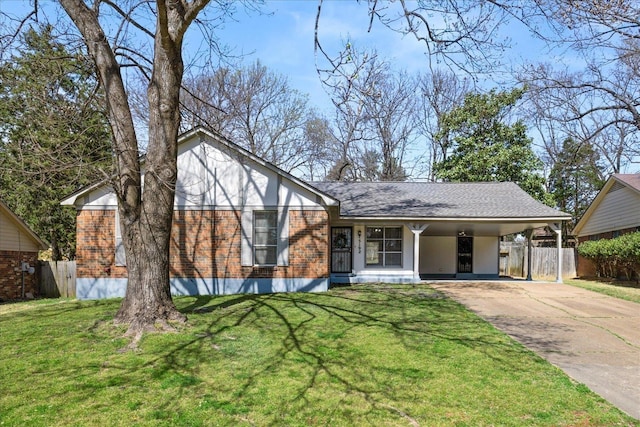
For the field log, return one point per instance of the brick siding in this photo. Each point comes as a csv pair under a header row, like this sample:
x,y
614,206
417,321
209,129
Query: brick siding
x,y
95,245
207,244
11,274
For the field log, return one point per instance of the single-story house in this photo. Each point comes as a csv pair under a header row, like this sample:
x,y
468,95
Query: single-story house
x,y
243,225
19,247
614,211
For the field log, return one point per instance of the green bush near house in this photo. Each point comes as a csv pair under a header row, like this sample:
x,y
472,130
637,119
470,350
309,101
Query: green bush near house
x,y
613,257
376,355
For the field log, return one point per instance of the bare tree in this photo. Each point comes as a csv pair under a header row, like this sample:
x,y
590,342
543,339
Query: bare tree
x,y
375,117
350,87
595,106
321,141
463,35
258,109
391,115
145,210
600,104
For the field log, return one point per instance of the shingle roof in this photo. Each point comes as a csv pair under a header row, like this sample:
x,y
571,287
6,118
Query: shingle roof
x,y
631,179
436,200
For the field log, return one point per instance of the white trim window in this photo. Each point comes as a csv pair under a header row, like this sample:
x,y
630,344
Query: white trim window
x,y
384,247
265,237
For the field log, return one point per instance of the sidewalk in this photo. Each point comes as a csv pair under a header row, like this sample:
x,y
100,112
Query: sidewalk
x,y
593,338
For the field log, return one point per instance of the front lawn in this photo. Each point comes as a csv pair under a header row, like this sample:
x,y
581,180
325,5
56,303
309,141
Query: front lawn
x,y
360,356
629,291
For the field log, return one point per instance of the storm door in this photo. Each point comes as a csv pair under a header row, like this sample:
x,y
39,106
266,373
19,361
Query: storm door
x,y
465,254
341,249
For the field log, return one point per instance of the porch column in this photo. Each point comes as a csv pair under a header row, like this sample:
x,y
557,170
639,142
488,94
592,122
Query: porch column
x,y
529,234
416,229
558,229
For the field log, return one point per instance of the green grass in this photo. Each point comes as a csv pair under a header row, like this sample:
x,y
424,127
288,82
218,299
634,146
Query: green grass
x,y
361,356
623,290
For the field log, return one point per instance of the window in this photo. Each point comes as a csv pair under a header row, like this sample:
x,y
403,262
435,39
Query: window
x,y
384,246
120,256
265,237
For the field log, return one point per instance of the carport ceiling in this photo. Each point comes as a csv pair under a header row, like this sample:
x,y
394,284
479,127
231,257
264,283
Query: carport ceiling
x,y
479,228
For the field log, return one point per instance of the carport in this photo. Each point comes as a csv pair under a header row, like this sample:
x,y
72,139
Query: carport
x,y
438,230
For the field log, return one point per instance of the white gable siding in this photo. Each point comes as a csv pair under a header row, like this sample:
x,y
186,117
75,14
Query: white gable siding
x,y
12,239
292,195
260,186
99,199
618,210
210,175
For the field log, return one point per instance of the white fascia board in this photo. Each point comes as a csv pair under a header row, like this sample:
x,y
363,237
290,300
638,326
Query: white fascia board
x,y
455,219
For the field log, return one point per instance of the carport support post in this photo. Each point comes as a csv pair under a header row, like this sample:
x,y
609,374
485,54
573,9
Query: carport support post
x,y
416,229
529,234
558,229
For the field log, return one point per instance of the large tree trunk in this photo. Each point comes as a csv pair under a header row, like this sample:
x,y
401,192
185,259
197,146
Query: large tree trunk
x,y
147,236
145,217
147,303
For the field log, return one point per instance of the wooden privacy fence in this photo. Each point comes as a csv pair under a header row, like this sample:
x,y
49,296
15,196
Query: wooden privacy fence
x,y
513,261
545,260
58,279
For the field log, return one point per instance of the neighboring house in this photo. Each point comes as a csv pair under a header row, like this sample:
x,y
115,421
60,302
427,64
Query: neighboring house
x,y
19,247
243,225
614,211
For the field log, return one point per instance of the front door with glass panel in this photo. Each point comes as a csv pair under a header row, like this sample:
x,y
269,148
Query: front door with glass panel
x,y
341,249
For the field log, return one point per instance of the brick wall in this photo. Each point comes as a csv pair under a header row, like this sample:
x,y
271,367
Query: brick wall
x,y
207,244
95,245
309,243
11,274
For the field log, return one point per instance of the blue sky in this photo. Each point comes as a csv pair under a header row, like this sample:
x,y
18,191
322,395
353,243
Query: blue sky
x,y
282,39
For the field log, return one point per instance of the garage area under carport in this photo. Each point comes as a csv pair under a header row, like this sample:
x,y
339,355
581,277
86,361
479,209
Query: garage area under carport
x,y
471,250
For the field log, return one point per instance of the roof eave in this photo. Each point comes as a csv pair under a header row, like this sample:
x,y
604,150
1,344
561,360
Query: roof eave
x,y
455,219
25,227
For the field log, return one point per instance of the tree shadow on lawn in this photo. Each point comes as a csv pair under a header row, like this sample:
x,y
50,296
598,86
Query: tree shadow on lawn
x,y
363,352
317,340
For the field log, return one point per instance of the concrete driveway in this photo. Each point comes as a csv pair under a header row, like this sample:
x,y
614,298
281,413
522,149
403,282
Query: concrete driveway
x,y
594,338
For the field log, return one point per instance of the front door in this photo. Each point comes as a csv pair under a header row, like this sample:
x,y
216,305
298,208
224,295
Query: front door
x,y
341,249
465,254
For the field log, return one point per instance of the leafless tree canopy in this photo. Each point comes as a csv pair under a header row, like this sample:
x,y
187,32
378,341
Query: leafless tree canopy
x,y
258,109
